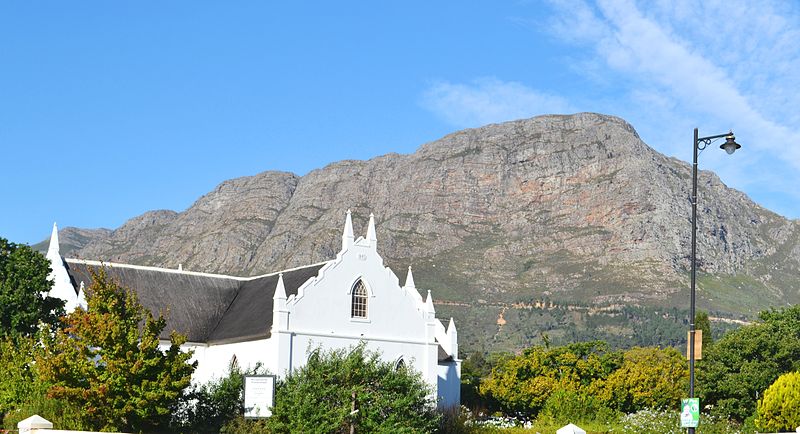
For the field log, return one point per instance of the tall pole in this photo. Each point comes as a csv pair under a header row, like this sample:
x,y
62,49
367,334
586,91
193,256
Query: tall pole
x,y
694,269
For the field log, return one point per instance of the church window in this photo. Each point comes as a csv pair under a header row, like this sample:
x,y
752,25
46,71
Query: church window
x,y
400,365
358,306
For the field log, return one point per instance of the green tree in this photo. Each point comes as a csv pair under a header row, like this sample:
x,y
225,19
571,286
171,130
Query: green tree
x,y
702,322
17,377
523,383
107,362
779,409
649,377
744,362
23,291
343,389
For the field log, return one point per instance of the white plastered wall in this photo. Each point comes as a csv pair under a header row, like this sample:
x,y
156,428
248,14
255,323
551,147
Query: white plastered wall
x,y
397,323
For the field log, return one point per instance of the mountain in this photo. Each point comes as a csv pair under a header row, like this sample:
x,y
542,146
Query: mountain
x,y
563,225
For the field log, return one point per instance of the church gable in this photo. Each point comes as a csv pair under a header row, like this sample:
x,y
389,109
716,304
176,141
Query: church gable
x,y
357,295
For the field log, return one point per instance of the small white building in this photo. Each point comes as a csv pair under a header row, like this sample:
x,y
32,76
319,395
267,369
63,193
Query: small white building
x,y
276,319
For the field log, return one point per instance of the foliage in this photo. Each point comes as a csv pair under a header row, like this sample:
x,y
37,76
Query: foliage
x,y
341,389
474,368
779,409
17,378
23,285
240,425
107,362
744,362
523,383
564,406
208,407
648,378
701,322
61,413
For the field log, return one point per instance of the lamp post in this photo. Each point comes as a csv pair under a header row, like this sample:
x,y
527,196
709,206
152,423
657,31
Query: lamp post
x,y
700,143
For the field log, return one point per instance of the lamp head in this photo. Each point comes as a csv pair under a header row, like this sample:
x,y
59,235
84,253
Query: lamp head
x,y
730,146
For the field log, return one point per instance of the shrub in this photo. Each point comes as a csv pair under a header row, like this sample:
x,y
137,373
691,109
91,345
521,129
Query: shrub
x,y
565,406
352,389
209,407
779,409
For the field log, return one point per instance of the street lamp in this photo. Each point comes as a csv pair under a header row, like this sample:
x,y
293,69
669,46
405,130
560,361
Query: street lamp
x,y
700,143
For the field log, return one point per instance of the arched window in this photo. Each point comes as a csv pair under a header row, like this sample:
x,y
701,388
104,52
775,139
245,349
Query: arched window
x,y
234,364
400,365
358,306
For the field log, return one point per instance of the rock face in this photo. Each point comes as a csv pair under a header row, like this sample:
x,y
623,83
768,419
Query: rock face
x,y
573,208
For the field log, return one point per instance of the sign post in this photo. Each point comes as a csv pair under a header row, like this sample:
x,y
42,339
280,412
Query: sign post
x,y
259,396
690,412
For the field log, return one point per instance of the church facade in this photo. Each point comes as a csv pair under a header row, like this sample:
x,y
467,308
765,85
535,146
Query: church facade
x,y
277,319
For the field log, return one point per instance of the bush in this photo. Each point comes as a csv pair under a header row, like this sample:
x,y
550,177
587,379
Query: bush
x,y
59,412
344,389
209,407
648,378
565,406
779,409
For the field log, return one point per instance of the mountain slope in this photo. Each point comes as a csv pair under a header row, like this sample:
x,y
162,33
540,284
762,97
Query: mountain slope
x,y
574,209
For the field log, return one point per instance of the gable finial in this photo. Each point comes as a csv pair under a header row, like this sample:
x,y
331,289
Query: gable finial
x,y
347,236
81,303
429,304
451,328
53,251
371,237
410,279
280,289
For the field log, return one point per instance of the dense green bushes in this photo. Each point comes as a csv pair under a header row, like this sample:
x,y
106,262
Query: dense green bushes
x,y
588,378
779,409
740,366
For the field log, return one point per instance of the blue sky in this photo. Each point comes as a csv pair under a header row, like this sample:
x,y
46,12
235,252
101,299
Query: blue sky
x,y
110,109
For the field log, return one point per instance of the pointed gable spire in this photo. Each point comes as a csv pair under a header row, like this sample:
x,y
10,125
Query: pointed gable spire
x,y
53,249
371,237
347,236
280,289
409,279
280,314
82,303
451,328
429,305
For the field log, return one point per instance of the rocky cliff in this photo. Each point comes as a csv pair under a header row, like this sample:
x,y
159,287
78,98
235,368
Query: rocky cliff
x,y
573,209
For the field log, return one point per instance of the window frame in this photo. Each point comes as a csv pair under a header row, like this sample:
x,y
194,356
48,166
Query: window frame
x,y
359,300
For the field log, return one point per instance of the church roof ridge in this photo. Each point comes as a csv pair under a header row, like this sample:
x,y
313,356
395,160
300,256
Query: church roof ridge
x,y
187,272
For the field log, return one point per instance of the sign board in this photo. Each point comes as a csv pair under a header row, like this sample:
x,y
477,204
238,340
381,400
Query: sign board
x,y
698,344
690,412
259,395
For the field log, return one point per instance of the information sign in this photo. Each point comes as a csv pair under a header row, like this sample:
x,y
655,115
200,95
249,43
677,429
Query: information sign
x,y
259,395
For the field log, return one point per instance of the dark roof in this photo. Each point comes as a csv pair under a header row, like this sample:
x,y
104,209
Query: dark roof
x,y
204,307
250,314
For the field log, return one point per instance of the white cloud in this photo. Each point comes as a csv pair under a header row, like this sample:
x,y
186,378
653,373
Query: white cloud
x,y
488,100
714,64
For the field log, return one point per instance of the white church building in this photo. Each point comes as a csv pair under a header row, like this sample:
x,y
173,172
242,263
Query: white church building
x,y
276,319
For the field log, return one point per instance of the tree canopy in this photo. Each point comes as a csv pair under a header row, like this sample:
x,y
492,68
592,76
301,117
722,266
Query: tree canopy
x,y
343,389
24,302
648,378
523,383
737,369
107,362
